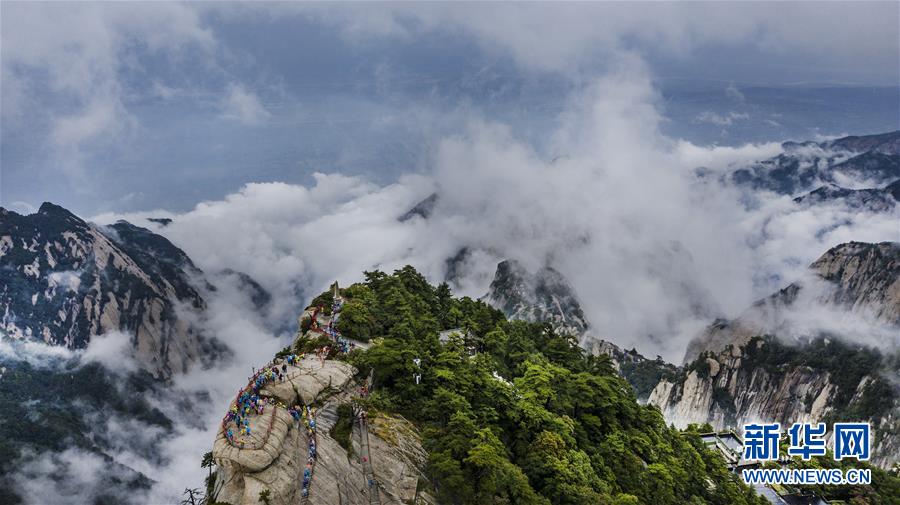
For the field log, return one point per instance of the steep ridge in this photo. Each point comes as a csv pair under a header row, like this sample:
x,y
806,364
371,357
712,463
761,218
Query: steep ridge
x,y
858,277
873,160
291,454
544,296
756,368
65,280
885,143
499,412
547,297
872,199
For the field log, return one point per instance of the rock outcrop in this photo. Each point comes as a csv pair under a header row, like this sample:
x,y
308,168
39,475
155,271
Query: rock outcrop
x,y
757,368
274,459
803,166
64,280
544,296
274,455
737,387
856,277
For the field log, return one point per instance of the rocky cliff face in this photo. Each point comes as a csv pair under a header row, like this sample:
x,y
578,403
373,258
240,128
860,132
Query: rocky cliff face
x,y
749,369
858,277
866,277
273,459
544,296
63,281
747,384
872,159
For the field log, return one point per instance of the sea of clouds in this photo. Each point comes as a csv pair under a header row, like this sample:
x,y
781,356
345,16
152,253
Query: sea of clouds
x,y
653,251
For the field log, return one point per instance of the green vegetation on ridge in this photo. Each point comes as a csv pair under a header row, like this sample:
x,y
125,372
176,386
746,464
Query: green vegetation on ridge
x,y
513,413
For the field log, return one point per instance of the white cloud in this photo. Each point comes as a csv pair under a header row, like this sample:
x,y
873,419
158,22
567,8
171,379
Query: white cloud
x,y
734,93
82,46
721,120
112,350
70,476
243,105
812,314
721,158
653,251
37,354
78,53
563,37
788,237
96,119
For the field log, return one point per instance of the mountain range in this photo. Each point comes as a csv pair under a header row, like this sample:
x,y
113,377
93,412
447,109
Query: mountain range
x,y
65,282
775,362
766,366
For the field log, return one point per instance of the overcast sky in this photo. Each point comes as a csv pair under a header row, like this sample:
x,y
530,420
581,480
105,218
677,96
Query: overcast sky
x,y
123,107
285,139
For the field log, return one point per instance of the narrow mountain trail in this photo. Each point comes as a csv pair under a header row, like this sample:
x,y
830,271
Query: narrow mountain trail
x,y
368,471
312,429
277,390
324,325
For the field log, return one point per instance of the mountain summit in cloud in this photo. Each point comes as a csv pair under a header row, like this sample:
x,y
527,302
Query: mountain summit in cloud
x,y
67,281
502,225
821,350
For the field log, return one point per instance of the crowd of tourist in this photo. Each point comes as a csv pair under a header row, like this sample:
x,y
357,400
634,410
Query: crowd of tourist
x,y
249,402
307,415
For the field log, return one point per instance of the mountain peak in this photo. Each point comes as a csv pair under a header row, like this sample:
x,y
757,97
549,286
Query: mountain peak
x,y
422,209
68,281
51,209
864,274
545,295
861,276
885,143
